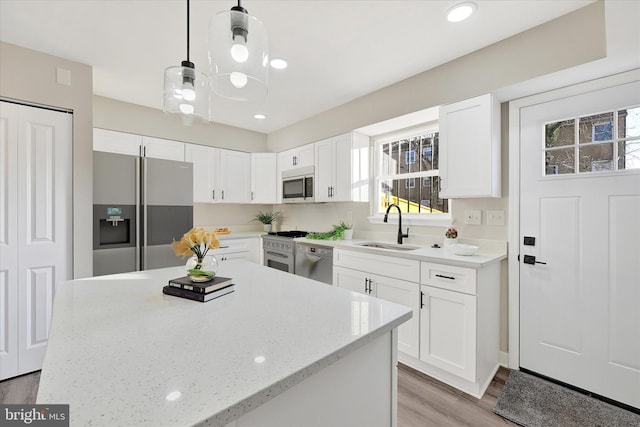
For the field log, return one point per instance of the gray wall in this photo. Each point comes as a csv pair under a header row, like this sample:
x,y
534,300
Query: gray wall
x,y
126,117
576,38
30,76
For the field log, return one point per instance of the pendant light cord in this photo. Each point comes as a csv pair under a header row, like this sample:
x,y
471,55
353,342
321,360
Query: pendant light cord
x,y
188,31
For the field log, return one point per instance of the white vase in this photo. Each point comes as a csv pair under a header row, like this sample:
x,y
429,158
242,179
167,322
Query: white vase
x,y
348,234
268,227
448,243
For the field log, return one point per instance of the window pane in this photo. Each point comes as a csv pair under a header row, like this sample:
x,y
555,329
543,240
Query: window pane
x,y
559,133
559,162
426,153
386,194
386,161
596,158
394,167
594,128
629,123
629,155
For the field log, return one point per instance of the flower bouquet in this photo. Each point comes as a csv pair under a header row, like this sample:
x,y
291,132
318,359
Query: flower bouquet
x,y
197,242
451,238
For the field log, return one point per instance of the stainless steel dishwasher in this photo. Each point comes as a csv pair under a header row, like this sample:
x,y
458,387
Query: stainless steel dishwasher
x,y
314,261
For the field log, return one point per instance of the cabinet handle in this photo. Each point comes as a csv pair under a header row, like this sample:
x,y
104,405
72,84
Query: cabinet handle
x,y
213,194
421,299
366,286
252,195
144,151
295,160
328,191
222,194
445,277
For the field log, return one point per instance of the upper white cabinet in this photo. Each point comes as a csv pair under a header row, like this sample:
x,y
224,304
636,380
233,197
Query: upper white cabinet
x,y
166,149
342,168
137,145
264,178
206,162
470,148
296,157
235,176
117,142
219,176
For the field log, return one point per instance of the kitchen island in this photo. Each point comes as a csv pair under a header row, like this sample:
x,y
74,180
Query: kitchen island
x,y
280,350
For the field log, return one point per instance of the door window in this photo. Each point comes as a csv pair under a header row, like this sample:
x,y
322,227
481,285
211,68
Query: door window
x,y
608,141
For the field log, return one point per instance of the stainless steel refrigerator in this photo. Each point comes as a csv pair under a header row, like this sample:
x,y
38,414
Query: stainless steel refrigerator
x,y
139,206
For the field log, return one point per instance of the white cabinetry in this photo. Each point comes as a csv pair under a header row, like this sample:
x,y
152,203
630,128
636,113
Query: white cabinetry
x,y
205,172
459,325
137,145
296,157
219,176
342,168
389,278
238,249
235,176
470,148
264,174
35,229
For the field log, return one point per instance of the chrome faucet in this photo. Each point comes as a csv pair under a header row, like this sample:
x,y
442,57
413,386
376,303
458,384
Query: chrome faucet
x,y
386,217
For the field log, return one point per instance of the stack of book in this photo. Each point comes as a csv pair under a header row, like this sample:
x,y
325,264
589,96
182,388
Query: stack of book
x,y
184,287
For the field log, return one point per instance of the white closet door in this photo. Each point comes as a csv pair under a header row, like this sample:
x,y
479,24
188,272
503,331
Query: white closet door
x,y
8,242
44,224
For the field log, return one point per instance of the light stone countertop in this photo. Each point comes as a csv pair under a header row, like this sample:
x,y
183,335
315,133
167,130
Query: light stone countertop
x,y
121,352
491,254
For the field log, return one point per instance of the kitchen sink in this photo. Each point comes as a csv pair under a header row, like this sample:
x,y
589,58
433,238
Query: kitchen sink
x,y
386,245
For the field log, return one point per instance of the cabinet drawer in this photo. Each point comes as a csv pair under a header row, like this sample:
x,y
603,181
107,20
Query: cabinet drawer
x,y
459,279
229,246
399,268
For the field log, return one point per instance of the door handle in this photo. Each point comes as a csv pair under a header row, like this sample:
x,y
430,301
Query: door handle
x,y
421,299
530,259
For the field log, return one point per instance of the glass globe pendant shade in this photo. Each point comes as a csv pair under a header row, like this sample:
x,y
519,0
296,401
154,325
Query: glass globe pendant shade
x,y
238,55
186,92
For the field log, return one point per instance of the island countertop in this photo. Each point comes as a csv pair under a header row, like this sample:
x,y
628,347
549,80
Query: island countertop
x,y
121,352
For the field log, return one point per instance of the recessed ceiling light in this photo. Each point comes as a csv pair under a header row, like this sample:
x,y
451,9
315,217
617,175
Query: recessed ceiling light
x,y
279,63
260,116
460,12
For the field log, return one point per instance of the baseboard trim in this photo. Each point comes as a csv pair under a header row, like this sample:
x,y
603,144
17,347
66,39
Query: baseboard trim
x,y
503,359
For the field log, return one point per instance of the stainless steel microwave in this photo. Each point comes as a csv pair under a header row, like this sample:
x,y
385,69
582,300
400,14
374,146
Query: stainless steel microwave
x,y
297,185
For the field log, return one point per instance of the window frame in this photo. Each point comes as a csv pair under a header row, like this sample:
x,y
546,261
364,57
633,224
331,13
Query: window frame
x,y
423,218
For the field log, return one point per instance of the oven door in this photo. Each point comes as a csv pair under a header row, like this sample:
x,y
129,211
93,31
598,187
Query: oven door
x,y
278,260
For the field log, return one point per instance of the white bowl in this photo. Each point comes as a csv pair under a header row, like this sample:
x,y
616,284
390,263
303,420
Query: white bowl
x,y
462,249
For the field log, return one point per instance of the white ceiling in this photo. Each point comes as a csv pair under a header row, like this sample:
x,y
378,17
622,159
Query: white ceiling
x,y
337,50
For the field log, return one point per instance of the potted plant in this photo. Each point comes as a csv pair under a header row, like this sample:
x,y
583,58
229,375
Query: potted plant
x,y
347,230
267,218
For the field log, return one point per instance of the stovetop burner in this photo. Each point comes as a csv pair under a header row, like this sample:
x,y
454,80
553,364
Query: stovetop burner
x,y
292,233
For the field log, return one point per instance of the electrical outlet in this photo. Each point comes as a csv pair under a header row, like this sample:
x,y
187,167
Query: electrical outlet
x,y
495,217
473,217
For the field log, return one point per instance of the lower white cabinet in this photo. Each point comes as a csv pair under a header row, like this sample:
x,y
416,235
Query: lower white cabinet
x,y
248,249
357,277
448,331
454,334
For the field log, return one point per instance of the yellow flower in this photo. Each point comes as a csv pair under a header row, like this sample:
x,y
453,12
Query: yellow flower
x,y
212,240
199,235
181,248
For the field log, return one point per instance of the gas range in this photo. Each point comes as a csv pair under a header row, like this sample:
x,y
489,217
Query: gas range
x,y
279,249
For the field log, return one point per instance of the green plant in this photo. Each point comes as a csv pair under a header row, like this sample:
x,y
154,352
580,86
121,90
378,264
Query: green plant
x,y
336,232
267,217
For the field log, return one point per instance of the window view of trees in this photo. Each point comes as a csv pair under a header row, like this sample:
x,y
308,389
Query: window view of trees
x,y
607,141
408,175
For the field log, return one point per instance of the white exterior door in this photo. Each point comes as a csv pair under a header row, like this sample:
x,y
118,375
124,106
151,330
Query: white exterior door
x,y
36,241
580,200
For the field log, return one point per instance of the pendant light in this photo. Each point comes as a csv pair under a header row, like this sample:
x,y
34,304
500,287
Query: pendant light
x,y
238,55
186,90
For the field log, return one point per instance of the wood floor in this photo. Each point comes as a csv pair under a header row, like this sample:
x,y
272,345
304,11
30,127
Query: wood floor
x,y
422,401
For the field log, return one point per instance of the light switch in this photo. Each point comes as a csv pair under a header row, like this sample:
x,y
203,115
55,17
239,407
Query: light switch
x,y
495,217
473,217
